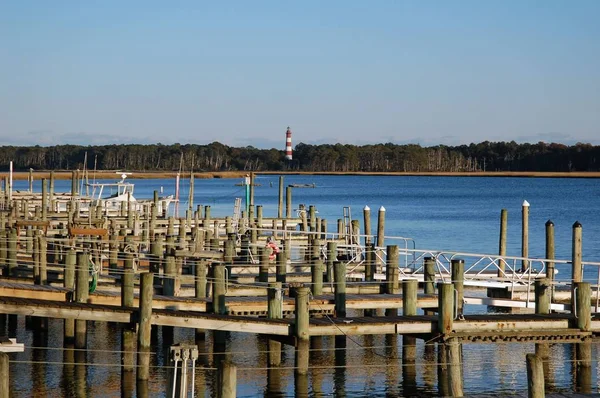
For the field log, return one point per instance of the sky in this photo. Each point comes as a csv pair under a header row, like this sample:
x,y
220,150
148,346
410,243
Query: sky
x,y
354,72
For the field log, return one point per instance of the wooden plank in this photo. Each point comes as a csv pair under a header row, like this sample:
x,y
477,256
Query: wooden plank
x,y
223,323
32,223
74,231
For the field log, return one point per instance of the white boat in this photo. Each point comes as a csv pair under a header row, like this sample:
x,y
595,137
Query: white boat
x,y
111,196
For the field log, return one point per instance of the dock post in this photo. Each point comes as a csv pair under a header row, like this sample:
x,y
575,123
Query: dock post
x,y
369,262
304,218
381,228
429,275
312,214
3,246
550,255
582,300
391,276
302,298
577,268
275,311
11,252
206,221
82,290
340,288
281,266
445,307
229,250
316,271
44,199
145,323
301,330
458,279
288,202
51,196
367,220
127,278
340,229
280,201
583,366
502,243
409,296
227,380
535,376
259,216
200,290
69,283
4,375
218,298
331,258
542,295
263,269
525,235
455,380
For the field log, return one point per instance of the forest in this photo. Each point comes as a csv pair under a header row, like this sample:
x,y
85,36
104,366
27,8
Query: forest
x,y
484,156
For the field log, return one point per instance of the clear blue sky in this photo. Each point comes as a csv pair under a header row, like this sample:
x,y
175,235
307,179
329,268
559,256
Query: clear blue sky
x,y
240,72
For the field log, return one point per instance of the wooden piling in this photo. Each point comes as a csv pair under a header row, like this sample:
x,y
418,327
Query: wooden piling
x,y
445,307
145,322
409,296
82,290
392,272
535,376
219,289
4,375
583,309
263,269
226,380
331,258
458,279
288,202
367,221
259,216
44,199
127,278
340,288
69,283
525,235
550,250
576,265
302,298
369,262
275,311
429,275
455,379
502,243
381,227
281,266
542,295
316,271
280,201
11,252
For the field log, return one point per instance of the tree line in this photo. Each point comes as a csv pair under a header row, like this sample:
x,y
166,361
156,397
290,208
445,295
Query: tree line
x,y
484,156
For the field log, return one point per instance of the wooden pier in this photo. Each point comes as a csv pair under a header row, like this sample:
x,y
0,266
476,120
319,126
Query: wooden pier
x,y
143,270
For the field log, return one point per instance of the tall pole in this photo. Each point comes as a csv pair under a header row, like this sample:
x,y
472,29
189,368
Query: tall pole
x,y
525,235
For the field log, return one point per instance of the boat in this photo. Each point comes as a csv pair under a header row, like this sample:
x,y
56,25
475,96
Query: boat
x,y
122,192
111,196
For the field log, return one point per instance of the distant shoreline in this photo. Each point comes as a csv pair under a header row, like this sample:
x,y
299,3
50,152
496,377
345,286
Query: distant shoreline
x,y
65,175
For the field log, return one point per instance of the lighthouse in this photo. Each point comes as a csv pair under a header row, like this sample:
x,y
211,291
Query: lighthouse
x,y
288,144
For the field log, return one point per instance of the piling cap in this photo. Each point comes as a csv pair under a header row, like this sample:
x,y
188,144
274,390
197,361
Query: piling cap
x,y
525,203
577,224
367,208
549,223
382,208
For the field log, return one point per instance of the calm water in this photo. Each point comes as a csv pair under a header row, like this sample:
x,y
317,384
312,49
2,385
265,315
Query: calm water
x,y
453,214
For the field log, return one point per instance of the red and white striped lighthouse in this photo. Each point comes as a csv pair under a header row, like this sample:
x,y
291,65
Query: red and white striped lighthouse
x,y
288,144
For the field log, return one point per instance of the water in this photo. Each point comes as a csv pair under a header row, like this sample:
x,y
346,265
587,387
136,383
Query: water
x,y
459,214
